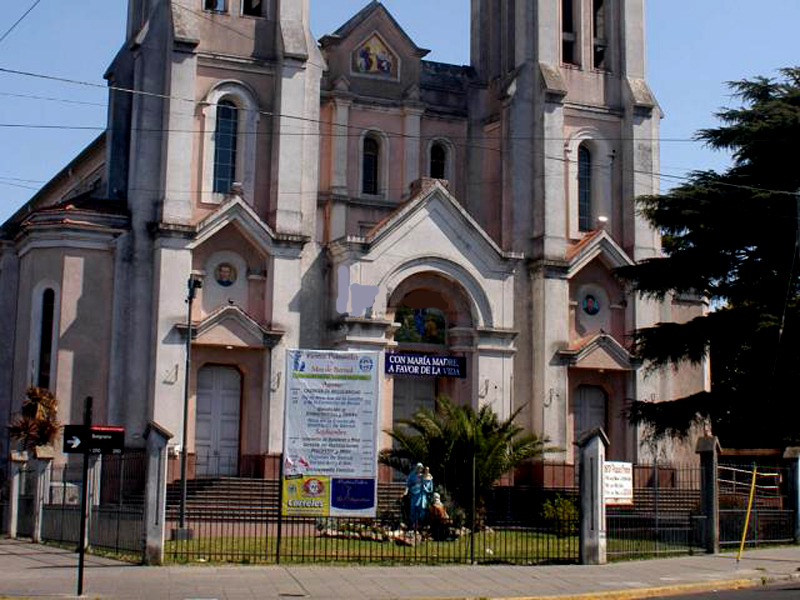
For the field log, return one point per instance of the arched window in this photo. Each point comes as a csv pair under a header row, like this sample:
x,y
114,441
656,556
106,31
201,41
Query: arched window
x,y
371,161
229,109
600,41
568,37
225,143
438,161
584,189
46,339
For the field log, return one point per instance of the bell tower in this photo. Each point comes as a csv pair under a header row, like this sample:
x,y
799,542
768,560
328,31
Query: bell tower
x,y
572,127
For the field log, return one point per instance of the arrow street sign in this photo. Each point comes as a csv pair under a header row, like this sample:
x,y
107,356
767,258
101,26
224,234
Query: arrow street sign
x,y
98,439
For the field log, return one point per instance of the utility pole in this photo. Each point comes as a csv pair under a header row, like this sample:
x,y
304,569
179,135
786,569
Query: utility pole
x,y
182,533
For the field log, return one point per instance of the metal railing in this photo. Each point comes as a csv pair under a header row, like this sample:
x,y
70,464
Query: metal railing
x,y
665,517
772,519
238,520
116,510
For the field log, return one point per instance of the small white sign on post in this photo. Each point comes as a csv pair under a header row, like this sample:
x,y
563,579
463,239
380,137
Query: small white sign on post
x,y
618,483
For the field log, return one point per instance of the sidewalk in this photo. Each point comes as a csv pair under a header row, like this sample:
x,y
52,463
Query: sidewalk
x,y
32,570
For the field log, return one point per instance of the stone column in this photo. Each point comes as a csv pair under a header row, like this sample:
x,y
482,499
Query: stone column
x,y
792,457
412,120
155,492
592,447
12,513
708,449
41,485
172,268
341,140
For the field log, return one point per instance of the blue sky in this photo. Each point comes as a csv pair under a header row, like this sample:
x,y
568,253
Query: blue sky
x,y
694,46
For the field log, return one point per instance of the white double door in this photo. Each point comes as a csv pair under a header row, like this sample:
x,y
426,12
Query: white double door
x,y
219,393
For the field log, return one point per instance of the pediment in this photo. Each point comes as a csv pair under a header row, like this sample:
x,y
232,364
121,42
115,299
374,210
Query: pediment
x,y
230,326
374,16
600,352
598,245
435,224
241,215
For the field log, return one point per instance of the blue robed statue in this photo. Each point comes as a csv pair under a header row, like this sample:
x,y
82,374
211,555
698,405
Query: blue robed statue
x,y
419,488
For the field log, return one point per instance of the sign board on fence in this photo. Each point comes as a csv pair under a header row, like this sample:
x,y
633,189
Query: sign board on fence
x,y
330,452
99,439
425,365
618,483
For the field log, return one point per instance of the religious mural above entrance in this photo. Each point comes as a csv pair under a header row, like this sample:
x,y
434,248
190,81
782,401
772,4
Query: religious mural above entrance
x,y
374,58
420,325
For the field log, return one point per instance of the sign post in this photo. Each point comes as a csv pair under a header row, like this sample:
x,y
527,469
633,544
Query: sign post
x,y
330,451
87,423
88,439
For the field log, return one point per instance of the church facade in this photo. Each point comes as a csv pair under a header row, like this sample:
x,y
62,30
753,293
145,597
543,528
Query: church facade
x,y
483,208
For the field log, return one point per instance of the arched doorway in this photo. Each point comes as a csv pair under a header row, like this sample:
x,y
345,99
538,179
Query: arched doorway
x,y
219,394
434,315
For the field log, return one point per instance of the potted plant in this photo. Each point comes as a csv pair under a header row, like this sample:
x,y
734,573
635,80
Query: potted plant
x,y
36,428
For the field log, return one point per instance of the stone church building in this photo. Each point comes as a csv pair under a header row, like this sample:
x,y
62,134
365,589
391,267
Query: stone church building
x,y
488,203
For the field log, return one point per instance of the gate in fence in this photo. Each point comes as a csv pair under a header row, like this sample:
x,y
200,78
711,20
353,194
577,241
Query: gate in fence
x,y
665,517
772,518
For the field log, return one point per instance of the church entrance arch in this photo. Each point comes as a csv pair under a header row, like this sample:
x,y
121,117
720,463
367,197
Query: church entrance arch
x,y
435,317
219,395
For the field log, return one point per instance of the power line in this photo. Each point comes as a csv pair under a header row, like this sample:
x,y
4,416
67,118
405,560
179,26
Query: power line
x,y
53,99
19,185
194,102
358,129
18,21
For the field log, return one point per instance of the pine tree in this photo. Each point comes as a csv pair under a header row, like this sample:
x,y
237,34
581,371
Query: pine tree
x,y
732,238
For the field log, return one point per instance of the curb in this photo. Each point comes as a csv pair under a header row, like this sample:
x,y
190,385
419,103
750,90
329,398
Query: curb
x,y
650,592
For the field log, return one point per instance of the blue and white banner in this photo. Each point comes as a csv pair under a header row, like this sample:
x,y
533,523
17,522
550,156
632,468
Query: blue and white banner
x,y
425,365
331,430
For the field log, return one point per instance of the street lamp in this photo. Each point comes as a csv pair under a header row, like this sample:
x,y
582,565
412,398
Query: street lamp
x,y
182,533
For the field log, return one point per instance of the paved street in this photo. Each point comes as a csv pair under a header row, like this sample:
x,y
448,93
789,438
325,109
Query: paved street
x,y
32,570
784,591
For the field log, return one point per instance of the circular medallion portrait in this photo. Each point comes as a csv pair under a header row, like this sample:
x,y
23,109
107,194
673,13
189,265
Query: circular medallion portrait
x,y
225,274
591,306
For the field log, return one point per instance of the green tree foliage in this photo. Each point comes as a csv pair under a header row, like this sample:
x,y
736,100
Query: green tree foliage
x,y
37,424
731,238
446,439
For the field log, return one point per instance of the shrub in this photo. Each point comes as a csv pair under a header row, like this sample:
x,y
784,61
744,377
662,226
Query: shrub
x,y
562,514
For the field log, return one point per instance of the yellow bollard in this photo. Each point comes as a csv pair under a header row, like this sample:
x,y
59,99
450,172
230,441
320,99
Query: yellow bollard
x,y
747,518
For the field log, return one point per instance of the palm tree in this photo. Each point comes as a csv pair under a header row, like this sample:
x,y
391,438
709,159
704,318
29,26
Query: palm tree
x,y
447,439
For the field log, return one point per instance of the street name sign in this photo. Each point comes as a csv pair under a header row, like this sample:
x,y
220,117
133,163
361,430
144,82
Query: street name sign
x,y
98,439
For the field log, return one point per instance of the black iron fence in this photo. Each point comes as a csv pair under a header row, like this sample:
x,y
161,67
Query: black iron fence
x,y
116,509
3,502
772,518
238,520
665,517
